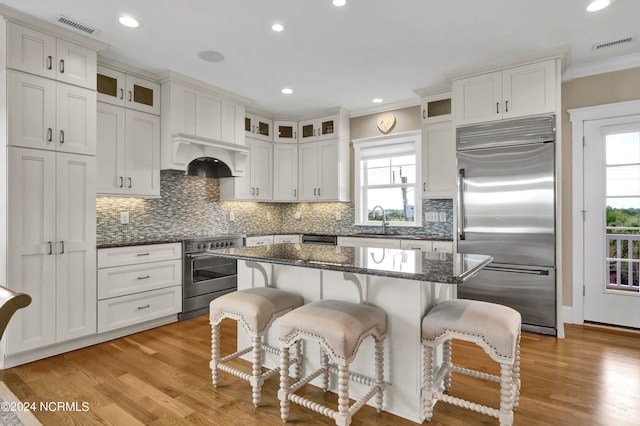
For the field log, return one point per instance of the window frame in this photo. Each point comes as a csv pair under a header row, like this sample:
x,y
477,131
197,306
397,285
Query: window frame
x,y
385,142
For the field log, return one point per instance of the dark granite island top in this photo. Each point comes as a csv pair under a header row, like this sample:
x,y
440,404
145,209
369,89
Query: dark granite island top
x,y
406,264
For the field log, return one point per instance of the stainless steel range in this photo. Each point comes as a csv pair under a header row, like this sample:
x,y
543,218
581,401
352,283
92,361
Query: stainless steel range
x,y
206,277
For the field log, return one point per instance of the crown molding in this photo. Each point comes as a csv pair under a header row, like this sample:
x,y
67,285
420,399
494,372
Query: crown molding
x,y
385,107
618,63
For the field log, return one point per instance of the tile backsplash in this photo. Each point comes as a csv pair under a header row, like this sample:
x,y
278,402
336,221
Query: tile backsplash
x,y
189,206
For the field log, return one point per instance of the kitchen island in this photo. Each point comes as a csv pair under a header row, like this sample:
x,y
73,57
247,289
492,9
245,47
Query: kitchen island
x,y
404,283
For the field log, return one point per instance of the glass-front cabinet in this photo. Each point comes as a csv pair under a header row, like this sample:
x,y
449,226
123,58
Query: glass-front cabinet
x,y
285,131
117,88
258,127
318,129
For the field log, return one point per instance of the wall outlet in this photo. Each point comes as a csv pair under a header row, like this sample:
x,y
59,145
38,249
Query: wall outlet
x,y
338,216
268,215
431,216
443,216
124,218
297,215
232,216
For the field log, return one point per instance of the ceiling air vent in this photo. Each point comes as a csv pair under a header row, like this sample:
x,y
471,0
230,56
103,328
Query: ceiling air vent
x,y
612,43
75,24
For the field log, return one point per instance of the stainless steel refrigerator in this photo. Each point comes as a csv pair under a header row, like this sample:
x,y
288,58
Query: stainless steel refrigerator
x,y
506,209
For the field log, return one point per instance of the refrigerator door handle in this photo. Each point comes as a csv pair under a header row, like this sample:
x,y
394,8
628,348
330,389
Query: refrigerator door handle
x,y
516,270
461,222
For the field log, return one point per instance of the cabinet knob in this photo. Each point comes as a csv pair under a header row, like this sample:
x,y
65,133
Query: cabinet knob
x,y
497,107
130,181
319,192
61,137
61,247
506,106
121,93
49,134
121,182
50,247
130,95
424,113
143,307
257,191
61,66
49,62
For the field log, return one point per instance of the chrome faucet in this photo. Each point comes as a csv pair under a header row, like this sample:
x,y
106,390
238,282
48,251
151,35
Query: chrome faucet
x,y
385,222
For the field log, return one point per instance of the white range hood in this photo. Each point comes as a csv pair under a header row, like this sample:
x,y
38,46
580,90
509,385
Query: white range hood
x,y
186,148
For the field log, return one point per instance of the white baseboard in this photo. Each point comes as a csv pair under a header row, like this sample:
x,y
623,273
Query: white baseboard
x,y
569,316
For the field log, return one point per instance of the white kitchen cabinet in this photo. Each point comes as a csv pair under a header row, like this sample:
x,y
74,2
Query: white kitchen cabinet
x,y
128,152
51,246
258,240
257,182
514,92
126,90
138,284
436,108
292,239
322,128
438,160
285,172
369,242
285,131
423,245
323,171
45,114
258,127
38,53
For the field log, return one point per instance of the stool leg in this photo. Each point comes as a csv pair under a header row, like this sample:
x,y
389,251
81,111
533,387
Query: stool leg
x,y
516,377
446,361
427,382
324,364
343,418
256,370
215,354
506,395
297,367
379,372
283,393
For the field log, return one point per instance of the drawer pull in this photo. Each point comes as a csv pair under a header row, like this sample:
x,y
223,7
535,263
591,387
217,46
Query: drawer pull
x,y
143,254
143,307
144,277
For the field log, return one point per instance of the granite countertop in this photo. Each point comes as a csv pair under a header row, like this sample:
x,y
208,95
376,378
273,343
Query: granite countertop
x,y
366,235
142,241
406,264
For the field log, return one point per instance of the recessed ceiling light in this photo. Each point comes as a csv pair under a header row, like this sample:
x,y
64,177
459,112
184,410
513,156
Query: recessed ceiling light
x,y
128,21
211,56
287,91
377,100
339,3
277,27
596,5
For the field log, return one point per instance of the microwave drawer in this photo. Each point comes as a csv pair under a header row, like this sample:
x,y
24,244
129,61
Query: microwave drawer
x,y
123,280
137,308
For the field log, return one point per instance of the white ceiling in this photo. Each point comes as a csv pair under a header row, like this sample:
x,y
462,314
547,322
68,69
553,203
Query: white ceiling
x,y
345,56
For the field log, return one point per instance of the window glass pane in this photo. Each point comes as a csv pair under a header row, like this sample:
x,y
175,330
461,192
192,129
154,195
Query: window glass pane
x,y
403,161
403,174
397,202
378,176
623,148
623,180
378,162
623,213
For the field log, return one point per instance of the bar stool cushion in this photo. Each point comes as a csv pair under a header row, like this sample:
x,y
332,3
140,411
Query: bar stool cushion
x,y
339,326
498,326
256,308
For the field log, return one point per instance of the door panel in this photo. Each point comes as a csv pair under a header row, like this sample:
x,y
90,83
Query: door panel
x,y
76,65
76,119
142,158
508,204
30,51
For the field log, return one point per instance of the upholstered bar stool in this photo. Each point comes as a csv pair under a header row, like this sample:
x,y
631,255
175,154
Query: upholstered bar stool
x,y
496,329
339,327
256,309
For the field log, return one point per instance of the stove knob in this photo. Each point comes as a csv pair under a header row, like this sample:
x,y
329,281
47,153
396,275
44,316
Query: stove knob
x,y
230,243
217,244
200,246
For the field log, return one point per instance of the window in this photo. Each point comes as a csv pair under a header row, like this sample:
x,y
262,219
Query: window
x,y
387,174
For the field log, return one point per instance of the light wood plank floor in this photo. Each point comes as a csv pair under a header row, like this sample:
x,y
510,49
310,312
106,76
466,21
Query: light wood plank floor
x,y
162,377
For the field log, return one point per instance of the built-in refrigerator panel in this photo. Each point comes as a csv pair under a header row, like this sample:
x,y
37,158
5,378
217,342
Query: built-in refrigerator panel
x,y
506,203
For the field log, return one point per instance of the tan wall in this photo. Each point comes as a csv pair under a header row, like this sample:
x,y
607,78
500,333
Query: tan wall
x,y
407,120
599,89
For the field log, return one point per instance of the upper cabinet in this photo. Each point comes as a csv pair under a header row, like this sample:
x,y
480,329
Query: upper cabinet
x,y
436,108
324,171
258,127
117,88
41,54
285,131
320,129
514,92
257,182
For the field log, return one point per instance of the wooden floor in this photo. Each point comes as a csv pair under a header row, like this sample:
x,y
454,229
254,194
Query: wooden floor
x,y
162,377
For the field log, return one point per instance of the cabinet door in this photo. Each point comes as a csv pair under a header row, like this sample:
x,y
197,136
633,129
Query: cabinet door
x,y
110,151
285,131
142,95
478,98
285,172
438,160
261,169
31,265
76,247
327,127
76,119
32,116
142,153
308,172
258,127
529,89
30,51
76,64
232,122
307,130
110,86
328,170
209,117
